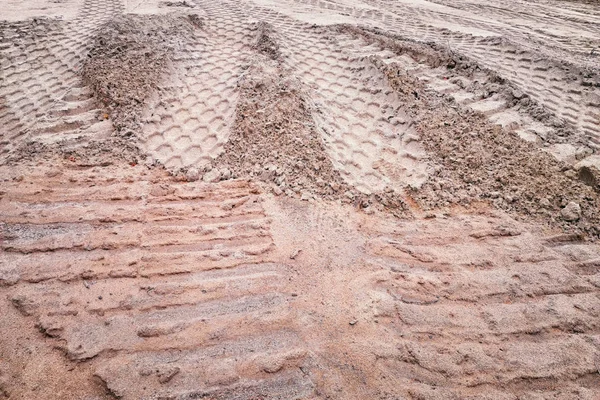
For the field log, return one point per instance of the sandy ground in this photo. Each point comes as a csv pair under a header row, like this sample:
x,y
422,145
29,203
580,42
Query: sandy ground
x,y
300,199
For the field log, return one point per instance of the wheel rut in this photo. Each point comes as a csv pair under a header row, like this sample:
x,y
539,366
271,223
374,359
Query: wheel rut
x,y
299,199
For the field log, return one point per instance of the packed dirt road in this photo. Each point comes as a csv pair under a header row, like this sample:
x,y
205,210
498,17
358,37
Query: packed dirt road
x,y
300,199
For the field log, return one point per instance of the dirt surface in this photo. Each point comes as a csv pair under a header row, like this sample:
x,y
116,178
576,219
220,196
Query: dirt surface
x,y
274,136
479,160
130,56
353,199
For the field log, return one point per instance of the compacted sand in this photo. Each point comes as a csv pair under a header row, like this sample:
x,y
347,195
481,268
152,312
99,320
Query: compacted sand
x,y
300,199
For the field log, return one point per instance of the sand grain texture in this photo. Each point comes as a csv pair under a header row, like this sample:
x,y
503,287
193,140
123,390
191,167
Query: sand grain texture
x,y
300,199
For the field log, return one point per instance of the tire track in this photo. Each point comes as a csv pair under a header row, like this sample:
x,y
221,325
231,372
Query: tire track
x,y
173,278
190,128
44,99
485,321
560,89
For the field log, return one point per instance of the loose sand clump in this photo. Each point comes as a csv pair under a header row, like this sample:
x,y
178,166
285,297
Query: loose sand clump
x,y
477,161
101,152
487,84
274,137
19,32
265,43
129,58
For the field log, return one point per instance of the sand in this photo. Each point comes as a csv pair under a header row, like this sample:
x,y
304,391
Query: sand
x,y
299,199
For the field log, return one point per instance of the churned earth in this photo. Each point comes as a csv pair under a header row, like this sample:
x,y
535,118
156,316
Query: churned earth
x,y
300,199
